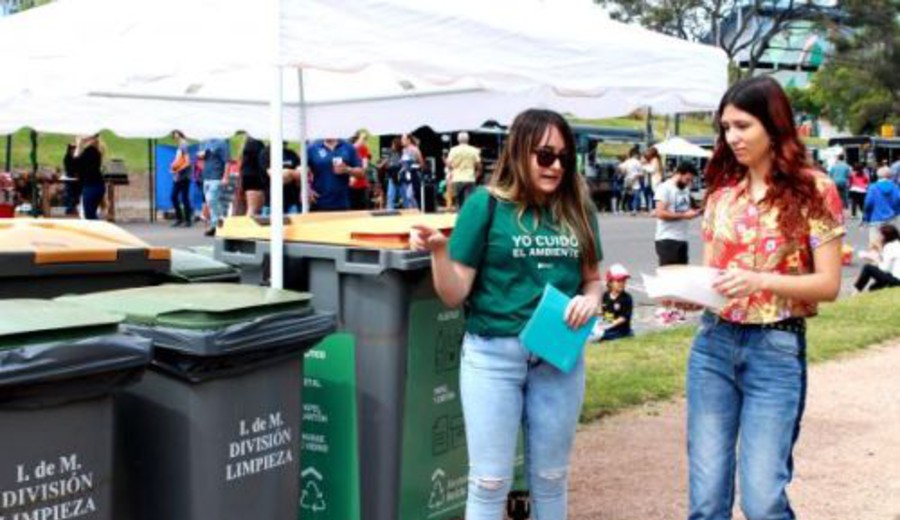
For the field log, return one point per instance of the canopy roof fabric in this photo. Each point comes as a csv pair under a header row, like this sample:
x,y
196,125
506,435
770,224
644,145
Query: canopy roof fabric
x,y
145,68
681,147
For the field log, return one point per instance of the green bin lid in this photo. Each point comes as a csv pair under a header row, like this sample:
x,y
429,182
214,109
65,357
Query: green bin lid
x,y
190,265
24,322
197,306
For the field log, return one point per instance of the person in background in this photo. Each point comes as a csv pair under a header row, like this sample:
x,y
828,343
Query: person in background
x,y
633,175
617,198
181,169
389,168
359,185
332,163
895,171
73,186
840,174
536,196
773,226
886,271
653,176
883,171
215,154
290,179
674,211
859,185
87,164
411,165
882,205
464,161
254,179
616,307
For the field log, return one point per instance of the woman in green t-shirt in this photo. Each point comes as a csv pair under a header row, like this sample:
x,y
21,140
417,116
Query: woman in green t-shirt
x,y
534,225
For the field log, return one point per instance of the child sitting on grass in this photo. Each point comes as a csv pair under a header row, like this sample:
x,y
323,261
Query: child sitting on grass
x,y
616,307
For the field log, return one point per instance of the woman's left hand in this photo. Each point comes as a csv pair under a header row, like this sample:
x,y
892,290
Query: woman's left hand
x,y
581,308
739,283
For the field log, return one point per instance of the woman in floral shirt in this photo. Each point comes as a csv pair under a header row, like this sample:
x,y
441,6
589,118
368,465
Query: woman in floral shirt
x,y
773,225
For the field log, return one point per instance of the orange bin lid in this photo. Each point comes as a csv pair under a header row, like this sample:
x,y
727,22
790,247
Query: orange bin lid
x,y
352,228
57,241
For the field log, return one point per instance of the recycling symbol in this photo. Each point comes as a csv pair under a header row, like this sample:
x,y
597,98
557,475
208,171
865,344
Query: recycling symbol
x,y
312,497
438,492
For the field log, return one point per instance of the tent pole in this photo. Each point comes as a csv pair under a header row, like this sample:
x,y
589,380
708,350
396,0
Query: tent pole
x,y
34,168
304,159
648,131
151,182
9,152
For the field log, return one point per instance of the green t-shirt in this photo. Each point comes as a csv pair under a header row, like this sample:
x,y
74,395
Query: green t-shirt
x,y
515,264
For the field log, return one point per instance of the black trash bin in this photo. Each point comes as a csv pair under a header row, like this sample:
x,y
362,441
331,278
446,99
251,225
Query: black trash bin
x,y
60,367
213,430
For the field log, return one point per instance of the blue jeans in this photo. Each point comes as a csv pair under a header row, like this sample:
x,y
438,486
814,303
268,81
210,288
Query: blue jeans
x,y
502,388
408,194
181,200
391,195
747,386
211,191
636,198
91,197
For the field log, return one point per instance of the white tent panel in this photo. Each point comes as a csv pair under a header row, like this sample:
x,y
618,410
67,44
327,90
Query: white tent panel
x,y
217,50
681,147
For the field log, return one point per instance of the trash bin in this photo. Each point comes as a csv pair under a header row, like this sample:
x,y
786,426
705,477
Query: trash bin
x,y
410,434
59,368
46,258
192,267
212,432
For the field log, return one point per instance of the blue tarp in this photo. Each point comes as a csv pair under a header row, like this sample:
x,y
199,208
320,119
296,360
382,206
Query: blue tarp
x,y
165,154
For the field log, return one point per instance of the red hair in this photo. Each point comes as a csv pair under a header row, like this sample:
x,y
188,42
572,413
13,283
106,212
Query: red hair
x,y
792,181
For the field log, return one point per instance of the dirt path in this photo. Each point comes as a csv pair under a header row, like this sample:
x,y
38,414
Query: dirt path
x,y
633,466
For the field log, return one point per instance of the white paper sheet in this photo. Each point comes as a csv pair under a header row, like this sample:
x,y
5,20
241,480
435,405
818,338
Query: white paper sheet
x,y
692,284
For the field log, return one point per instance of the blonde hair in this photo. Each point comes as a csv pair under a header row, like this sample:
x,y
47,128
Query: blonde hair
x,y
570,205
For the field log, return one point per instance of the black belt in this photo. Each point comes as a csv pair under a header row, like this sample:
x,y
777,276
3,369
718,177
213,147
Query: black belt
x,y
795,325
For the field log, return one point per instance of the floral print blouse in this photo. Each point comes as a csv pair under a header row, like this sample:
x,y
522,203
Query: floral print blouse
x,y
745,235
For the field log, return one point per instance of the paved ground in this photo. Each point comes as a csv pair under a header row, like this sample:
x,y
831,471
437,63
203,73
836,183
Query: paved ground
x,y
632,466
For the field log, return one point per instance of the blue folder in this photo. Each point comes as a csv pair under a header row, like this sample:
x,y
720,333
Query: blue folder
x,y
547,335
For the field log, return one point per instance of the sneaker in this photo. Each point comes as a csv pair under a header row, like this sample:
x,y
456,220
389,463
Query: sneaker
x,y
211,232
177,223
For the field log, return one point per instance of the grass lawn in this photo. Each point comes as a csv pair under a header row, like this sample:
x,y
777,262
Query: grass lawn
x,y
651,367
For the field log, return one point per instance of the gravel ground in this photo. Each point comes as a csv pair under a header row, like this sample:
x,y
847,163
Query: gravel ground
x,y
633,466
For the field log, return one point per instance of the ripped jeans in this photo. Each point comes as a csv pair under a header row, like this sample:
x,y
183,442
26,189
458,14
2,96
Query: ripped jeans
x,y
502,387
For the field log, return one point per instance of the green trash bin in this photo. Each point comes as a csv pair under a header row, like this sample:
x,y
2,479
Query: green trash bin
x,y
411,446
213,430
60,367
192,267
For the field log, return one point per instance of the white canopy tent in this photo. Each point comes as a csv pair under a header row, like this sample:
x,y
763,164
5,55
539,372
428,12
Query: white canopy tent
x,y
681,147
139,67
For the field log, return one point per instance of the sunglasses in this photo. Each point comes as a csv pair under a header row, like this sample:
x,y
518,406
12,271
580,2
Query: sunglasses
x,y
546,157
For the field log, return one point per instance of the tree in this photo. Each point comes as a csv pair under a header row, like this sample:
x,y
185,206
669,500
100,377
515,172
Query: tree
x,y
742,28
24,5
860,86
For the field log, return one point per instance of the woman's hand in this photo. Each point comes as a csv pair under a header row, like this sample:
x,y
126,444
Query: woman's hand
x,y
580,310
424,238
739,283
